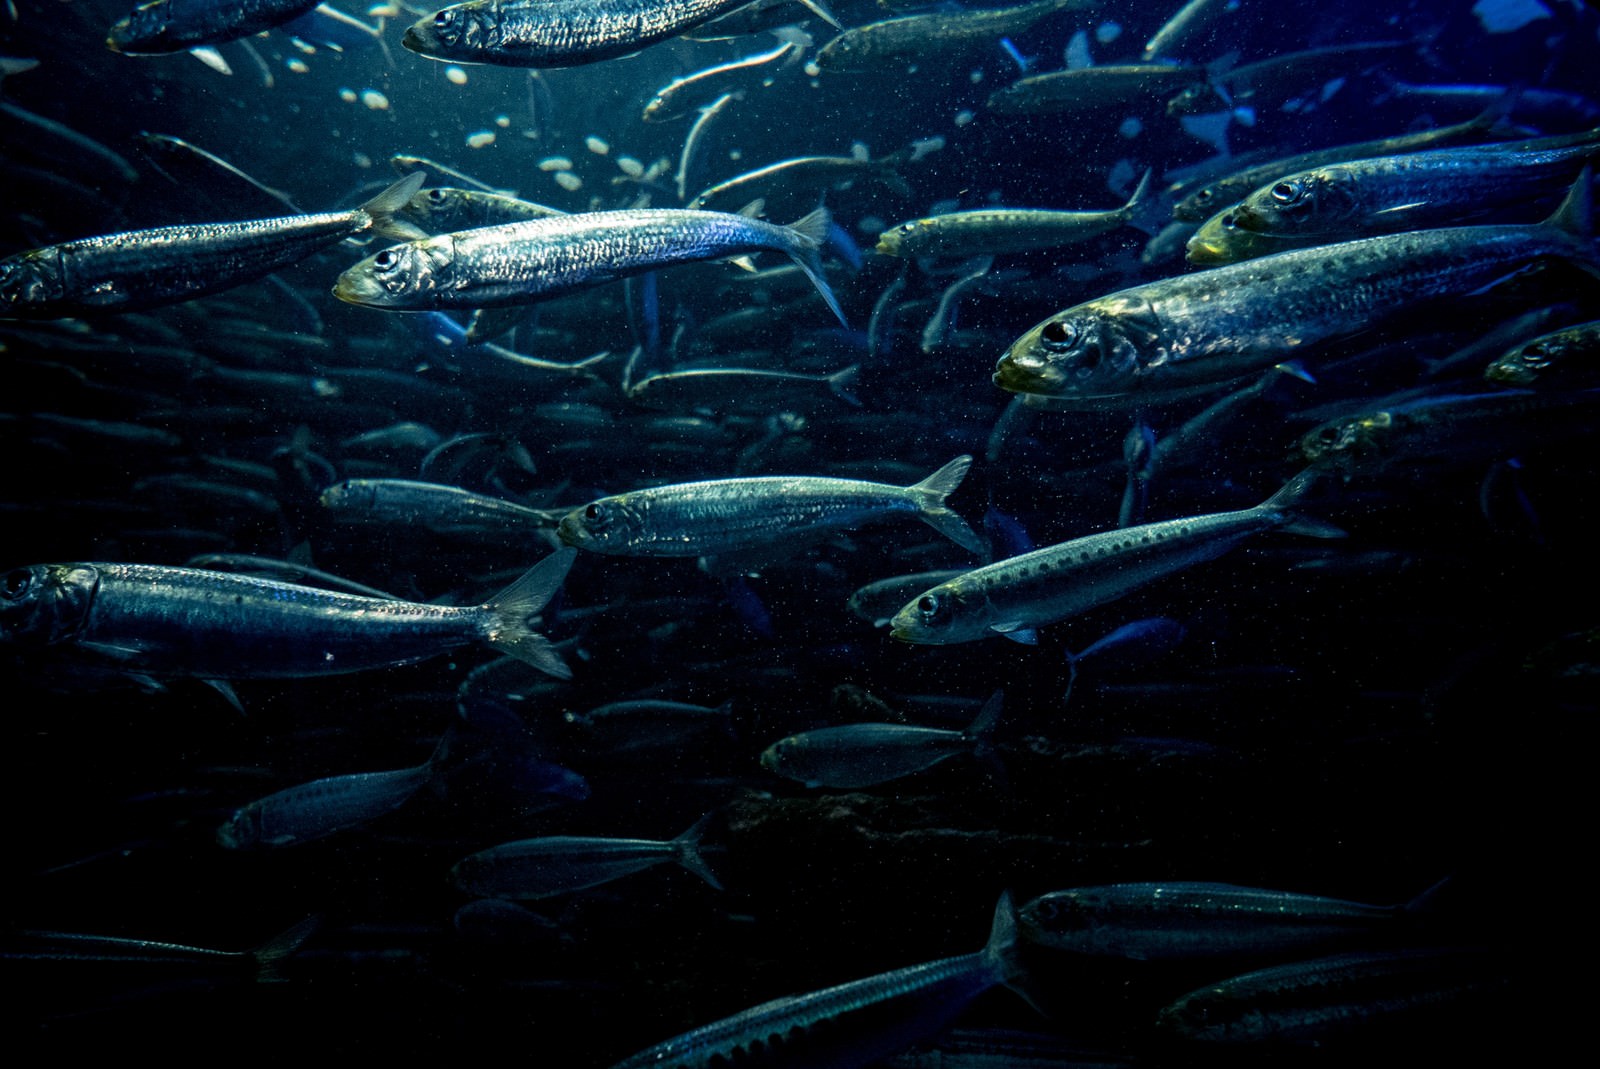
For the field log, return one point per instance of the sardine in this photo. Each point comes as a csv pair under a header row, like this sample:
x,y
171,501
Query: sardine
x,y
722,516
142,269
561,864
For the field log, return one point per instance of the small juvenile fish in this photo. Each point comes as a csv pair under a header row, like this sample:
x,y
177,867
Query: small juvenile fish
x,y
680,97
554,33
164,26
807,174
520,263
317,809
1003,230
141,269
722,516
1015,596
445,509
559,864
1159,921
158,621
747,390
1091,88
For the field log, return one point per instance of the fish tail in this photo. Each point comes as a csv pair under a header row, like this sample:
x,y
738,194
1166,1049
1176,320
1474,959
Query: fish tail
x,y
841,383
1001,953
929,496
981,732
1291,494
270,955
687,849
1575,218
514,606
1143,212
809,232
383,208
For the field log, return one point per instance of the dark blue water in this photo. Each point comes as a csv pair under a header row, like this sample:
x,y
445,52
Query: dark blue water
x,y
1358,719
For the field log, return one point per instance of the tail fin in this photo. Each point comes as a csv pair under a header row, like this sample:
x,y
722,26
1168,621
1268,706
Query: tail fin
x,y
271,954
841,382
1284,501
1144,212
518,603
806,251
687,849
1001,953
1575,218
929,496
383,207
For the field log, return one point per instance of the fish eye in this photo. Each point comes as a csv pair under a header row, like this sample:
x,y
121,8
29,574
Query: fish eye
x,y
593,512
384,260
18,582
436,196
444,19
1286,192
932,608
1230,222
1059,334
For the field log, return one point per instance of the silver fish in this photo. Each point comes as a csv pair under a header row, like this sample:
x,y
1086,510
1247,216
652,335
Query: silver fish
x,y
525,262
141,269
1015,596
560,864
554,33
722,516
164,26
157,621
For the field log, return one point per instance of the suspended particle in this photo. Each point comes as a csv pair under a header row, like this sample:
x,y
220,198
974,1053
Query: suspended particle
x,y
555,163
455,75
374,100
480,139
569,181
964,117
630,166
297,65
503,121
1131,127
596,146
348,96
1107,32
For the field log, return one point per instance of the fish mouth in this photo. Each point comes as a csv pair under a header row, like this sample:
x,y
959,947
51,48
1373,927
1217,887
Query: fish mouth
x,y
414,41
1206,252
571,532
356,286
1026,374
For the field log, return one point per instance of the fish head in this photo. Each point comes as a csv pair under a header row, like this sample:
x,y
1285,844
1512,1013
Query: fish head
x,y
148,31
30,284
1524,365
1200,205
243,829
401,276
608,525
43,604
1063,920
843,53
1220,240
946,614
1311,201
422,207
1346,444
782,754
1090,352
351,495
899,240
454,32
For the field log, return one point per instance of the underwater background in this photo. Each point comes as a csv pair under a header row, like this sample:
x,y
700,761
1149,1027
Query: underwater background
x,y
1359,718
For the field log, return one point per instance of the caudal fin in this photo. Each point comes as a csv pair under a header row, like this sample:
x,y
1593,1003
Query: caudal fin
x,y
806,251
930,494
515,606
383,207
1286,499
687,847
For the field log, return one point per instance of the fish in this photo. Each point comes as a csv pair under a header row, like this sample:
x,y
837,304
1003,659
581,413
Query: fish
x,y
865,755
753,390
1196,205
1006,230
1551,361
141,269
443,210
520,263
1016,596
680,96
1187,22
1317,1002
1176,921
1412,191
1093,88
165,26
723,516
851,1025
1197,332
314,810
449,510
928,38
554,33
878,601
561,864
157,621
801,174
